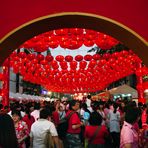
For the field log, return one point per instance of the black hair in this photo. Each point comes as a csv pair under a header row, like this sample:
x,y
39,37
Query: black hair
x,y
27,111
89,96
45,113
8,137
16,112
115,105
131,114
72,103
95,118
36,105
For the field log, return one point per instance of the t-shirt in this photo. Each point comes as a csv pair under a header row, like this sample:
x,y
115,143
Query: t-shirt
x,y
100,138
74,119
39,130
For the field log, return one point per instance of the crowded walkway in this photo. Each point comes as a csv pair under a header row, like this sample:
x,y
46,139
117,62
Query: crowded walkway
x,y
74,124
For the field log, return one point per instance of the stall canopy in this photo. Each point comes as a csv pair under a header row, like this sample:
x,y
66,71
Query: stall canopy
x,y
124,89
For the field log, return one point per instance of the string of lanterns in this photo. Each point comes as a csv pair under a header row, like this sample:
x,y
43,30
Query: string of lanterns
x,y
74,74
71,39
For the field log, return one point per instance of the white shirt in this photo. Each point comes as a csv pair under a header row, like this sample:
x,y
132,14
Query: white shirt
x,y
39,130
35,114
114,121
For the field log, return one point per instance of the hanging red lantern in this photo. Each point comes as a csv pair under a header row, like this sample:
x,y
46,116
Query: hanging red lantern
x,y
44,62
96,57
88,43
68,58
76,31
22,55
73,65
40,57
87,57
59,58
83,64
49,58
61,31
92,64
63,65
79,58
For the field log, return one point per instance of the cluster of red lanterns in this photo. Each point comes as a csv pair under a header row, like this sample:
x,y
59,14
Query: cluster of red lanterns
x,y
74,74
71,39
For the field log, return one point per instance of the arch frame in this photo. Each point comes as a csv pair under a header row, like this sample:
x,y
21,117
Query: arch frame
x,y
127,36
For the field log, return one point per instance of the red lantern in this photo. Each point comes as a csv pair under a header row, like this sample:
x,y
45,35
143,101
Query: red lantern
x,y
59,58
40,57
68,58
88,57
73,65
49,58
61,32
79,58
83,64
96,57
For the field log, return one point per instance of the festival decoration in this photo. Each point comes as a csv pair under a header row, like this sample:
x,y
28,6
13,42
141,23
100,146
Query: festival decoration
x,y
72,39
89,73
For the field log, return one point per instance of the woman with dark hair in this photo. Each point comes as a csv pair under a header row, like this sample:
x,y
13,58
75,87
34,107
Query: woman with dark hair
x,y
74,125
114,125
95,139
129,136
8,137
21,128
29,121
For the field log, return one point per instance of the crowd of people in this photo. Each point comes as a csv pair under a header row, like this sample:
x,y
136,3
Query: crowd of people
x,y
90,124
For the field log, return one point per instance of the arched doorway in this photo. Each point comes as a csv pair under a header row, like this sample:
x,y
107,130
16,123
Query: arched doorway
x,y
73,19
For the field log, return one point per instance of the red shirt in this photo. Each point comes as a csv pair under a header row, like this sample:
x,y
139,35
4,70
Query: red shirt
x,y
99,139
74,119
28,121
56,119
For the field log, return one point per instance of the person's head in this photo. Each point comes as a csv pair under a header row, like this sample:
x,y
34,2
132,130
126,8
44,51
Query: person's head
x,y
74,105
122,104
132,115
89,96
95,119
7,132
101,105
45,113
61,108
115,105
16,115
36,106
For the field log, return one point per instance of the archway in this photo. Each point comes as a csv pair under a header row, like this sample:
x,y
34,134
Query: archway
x,y
73,19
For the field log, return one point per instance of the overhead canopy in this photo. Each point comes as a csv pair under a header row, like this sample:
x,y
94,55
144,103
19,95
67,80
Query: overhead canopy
x,y
124,89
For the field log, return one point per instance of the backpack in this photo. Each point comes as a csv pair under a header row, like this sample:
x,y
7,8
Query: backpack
x,y
48,140
63,126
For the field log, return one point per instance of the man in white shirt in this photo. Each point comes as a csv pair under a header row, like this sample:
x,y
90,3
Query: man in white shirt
x,y
40,128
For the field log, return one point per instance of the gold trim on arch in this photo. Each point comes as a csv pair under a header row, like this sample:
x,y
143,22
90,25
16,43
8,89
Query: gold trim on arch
x,y
75,13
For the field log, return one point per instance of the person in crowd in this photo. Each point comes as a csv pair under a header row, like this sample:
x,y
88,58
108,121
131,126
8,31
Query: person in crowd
x,y
21,128
36,111
88,102
74,126
29,121
101,112
129,135
86,114
61,112
122,112
95,122
40,128
55,115
8,137
114,125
